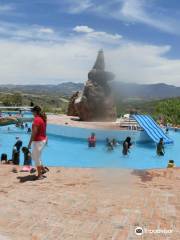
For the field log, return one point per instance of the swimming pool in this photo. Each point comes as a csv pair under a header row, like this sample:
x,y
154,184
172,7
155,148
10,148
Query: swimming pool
x,y
71,152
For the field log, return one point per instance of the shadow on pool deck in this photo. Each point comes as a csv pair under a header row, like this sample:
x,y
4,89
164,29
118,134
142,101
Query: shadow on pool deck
x,y
145,176
28,178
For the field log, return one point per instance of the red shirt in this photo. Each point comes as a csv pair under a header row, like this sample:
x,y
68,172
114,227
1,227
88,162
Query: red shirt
x,y
41,126
92,139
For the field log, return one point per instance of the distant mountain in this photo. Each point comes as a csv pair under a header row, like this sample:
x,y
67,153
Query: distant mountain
x,y
121,90
66,89
145,91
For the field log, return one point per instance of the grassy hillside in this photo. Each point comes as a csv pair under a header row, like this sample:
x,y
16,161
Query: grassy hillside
x,y
50,103
144,107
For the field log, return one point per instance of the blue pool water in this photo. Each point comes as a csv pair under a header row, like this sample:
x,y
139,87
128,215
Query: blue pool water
x,y
69,152
15,113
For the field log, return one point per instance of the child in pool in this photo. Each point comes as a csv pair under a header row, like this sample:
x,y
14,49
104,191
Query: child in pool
x,y
171,164
169,173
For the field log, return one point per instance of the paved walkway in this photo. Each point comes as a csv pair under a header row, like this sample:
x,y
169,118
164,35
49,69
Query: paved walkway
x,y
87,204
65,120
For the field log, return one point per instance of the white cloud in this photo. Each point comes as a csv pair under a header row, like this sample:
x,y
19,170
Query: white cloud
x,y
135,11
83,29
27,33
46,30
33,63
105,37
134,62
131,11
78,6
70,60
6,8
97,35
40,54
46,34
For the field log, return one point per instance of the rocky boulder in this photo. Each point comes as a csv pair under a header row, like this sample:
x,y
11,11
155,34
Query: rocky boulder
x,y
95,103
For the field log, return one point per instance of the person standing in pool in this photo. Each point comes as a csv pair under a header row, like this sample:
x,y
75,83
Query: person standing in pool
x,y
126,146
114,142
92,140
160,148
38,138
18,144
109,145
29,130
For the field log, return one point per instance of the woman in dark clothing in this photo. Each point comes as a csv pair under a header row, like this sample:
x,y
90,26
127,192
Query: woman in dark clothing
x,y
160,148
15,156
126,145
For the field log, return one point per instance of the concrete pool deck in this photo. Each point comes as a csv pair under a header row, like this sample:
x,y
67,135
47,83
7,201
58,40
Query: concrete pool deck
x,y
89,204
65,120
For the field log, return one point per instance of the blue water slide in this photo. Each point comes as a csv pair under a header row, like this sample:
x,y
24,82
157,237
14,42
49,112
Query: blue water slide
x,y
154,131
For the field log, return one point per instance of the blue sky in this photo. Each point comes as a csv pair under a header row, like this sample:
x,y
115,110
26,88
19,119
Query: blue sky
x,y
53,41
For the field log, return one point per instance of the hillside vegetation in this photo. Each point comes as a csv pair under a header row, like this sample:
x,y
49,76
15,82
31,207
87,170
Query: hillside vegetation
x,y
168,109
50,103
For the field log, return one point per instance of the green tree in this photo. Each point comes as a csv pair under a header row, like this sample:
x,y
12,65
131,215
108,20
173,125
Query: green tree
x,y
12,100
17,99
169,110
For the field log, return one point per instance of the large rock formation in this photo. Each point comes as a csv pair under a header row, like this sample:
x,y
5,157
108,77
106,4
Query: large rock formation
x,y
71,107
95,102
8,121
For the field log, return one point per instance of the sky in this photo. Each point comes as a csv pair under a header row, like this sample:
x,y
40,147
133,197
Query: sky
x,y
54,41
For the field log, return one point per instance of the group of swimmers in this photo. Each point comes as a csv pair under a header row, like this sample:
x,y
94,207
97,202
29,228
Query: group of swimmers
x,y
15,159
23,126
110,144
38,140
